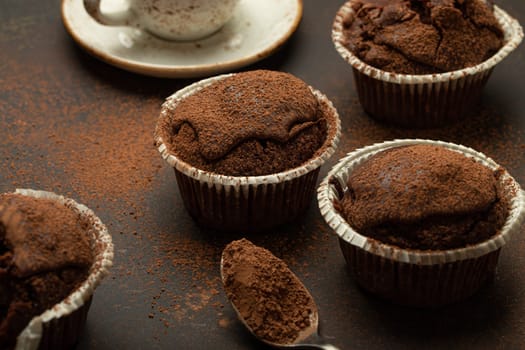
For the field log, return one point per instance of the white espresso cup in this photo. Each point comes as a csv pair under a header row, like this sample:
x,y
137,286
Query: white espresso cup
x,y
169,19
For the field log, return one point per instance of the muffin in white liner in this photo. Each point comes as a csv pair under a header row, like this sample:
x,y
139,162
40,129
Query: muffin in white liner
x,y
426,100
61,326
410,276
247,203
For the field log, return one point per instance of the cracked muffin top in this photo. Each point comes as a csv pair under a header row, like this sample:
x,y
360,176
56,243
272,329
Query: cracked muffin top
x,y
422,36
424,197
249,124
45,254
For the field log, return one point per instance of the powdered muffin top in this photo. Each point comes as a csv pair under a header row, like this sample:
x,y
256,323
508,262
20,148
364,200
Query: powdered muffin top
x,y
251,123
42,235
422,36
424,197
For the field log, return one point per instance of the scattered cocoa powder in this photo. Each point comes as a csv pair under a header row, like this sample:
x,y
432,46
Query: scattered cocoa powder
x,y
102,157
224,322
201,289
266,294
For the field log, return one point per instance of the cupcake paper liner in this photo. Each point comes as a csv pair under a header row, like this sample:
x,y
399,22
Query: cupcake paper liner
x,y
247,203
60,326
419,285
416,277
423,100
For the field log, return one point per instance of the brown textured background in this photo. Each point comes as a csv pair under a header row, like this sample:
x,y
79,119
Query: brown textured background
x,y
79,127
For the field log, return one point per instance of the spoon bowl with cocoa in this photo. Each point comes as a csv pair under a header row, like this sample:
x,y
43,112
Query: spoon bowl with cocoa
x,y
269,298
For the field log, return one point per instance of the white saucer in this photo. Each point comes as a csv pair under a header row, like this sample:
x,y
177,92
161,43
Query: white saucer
x,y
257,29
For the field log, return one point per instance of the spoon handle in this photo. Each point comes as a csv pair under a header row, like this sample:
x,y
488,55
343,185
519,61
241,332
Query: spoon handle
x,y
313,346
316,342
322,347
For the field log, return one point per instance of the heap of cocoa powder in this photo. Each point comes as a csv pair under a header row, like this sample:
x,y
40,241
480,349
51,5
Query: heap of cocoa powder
x,y
266,293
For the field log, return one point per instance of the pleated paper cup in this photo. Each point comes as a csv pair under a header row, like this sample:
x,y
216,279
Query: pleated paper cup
x,y
60,327
247,203
427,100
410,276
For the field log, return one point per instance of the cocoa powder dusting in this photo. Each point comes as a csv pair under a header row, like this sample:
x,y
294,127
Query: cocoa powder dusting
x,y
267,295
423,36
45,253
424,197
253,123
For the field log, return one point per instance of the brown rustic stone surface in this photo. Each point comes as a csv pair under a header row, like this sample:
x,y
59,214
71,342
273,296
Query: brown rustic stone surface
x,y
79,127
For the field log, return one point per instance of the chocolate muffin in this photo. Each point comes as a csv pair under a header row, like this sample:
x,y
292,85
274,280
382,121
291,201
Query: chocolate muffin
x,y
46,253
250,124
422,36
421,222
247,148
423,63
424,197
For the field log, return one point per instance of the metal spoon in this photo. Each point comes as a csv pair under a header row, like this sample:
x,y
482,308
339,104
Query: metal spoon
x,y
309,338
